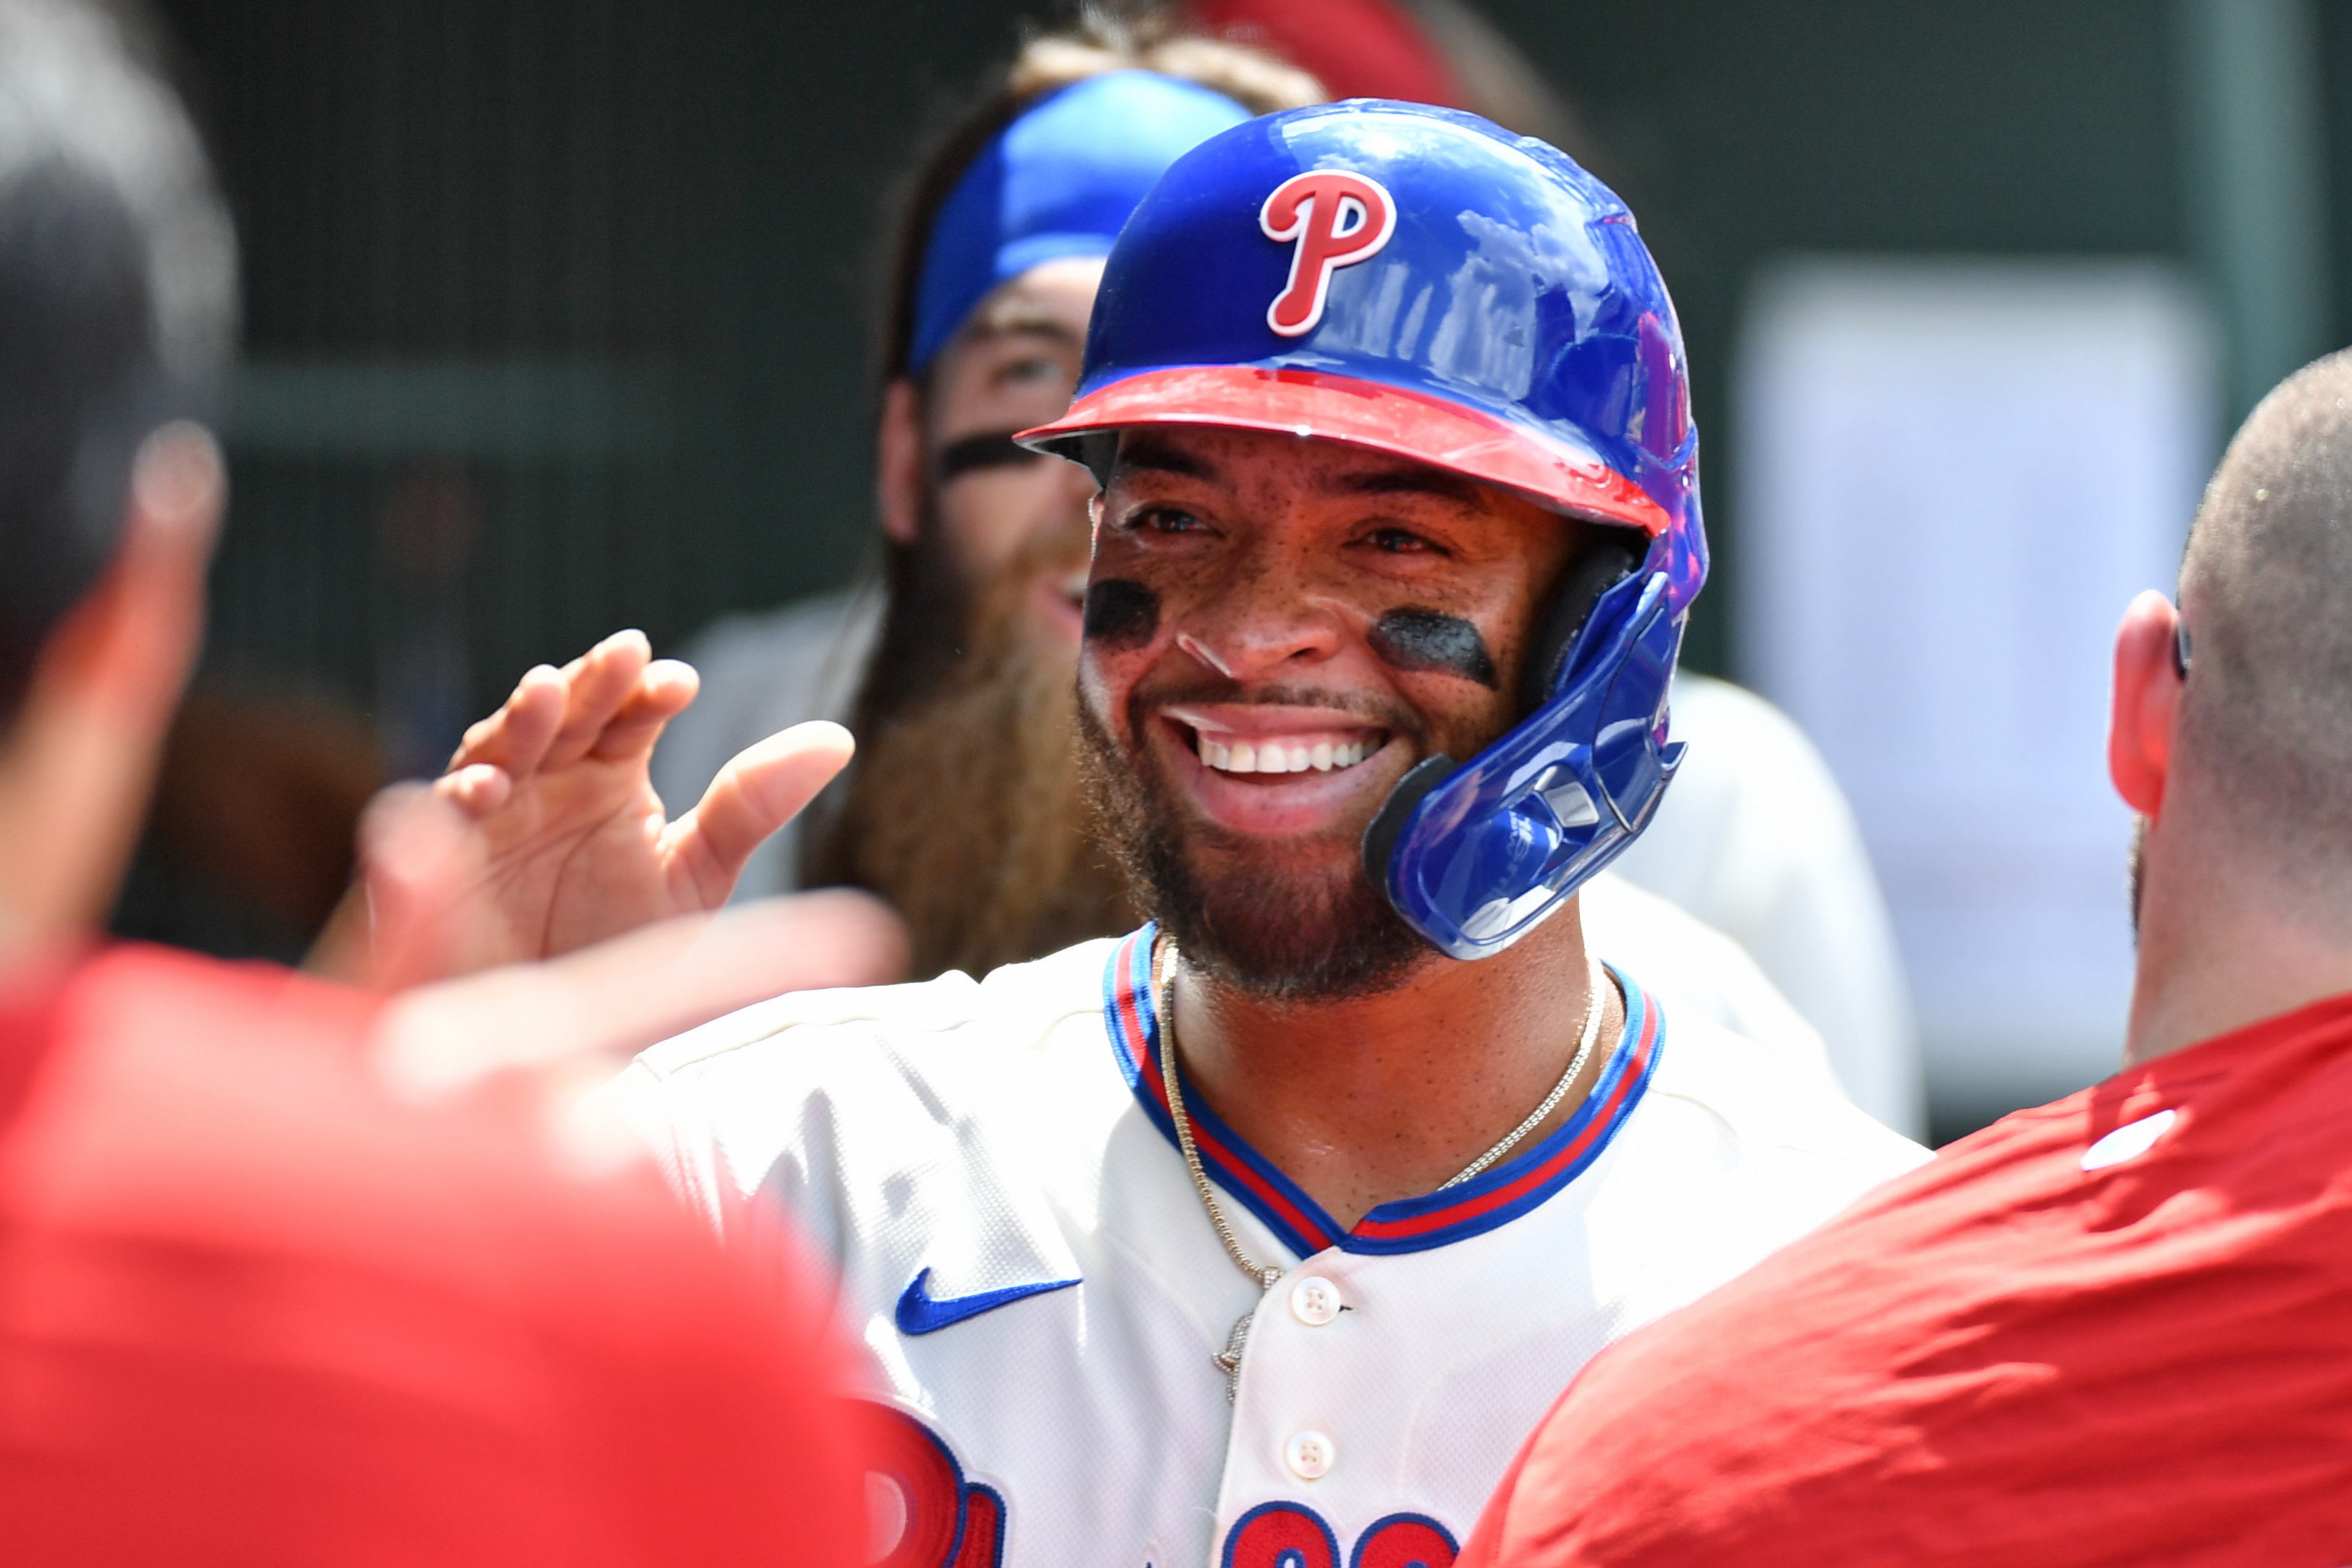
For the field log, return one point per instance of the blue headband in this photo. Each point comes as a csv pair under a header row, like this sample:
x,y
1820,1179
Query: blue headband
x,y
1059,181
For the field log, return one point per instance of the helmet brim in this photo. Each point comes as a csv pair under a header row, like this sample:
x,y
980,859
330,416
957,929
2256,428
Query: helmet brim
x,y
1384,418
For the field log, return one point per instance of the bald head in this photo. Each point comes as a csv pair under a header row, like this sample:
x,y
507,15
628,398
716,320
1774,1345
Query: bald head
x,y
2266,593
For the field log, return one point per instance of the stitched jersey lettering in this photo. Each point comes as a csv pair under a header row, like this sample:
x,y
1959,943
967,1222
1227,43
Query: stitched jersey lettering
x,y
1293,1535
926,1515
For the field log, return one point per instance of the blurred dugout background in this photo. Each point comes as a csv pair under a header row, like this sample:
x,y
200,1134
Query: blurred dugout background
x,y
556,313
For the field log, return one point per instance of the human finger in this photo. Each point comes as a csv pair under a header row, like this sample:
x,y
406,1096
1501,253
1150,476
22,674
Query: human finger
x,y
478,791
410,917
517,735
764,786
605,675
615,999
663,691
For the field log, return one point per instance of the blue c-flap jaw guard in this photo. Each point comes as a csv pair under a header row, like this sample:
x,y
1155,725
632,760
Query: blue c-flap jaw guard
x,y
1474,855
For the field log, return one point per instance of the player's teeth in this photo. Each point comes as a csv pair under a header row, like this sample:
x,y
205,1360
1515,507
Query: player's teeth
x,y
1282,756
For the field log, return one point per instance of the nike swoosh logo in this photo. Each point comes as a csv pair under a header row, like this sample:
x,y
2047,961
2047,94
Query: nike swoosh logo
x,y
920,1312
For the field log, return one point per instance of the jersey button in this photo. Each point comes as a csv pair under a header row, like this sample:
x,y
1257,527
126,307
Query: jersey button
x,y
1314,1302
1309,1454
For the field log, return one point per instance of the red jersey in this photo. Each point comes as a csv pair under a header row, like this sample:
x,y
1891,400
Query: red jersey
x,y
2117,1329
253,1312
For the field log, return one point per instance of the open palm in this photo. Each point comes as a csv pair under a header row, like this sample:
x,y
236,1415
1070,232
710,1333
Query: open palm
x,y
573,844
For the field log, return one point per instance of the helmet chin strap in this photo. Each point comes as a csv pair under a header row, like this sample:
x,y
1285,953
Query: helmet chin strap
x,y
1613,554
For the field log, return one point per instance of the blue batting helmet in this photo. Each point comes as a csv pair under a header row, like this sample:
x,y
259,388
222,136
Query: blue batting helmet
x,y
1422,282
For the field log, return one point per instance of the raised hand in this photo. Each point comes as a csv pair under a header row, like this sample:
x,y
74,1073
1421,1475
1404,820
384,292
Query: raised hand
x,y
570,843
565,1025
574,1021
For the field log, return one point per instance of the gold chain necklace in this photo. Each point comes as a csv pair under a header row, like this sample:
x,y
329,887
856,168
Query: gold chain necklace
x,y
1229,1360
1588,1034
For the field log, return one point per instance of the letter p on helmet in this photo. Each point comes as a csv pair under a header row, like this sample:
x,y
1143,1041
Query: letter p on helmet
x,y
1331,219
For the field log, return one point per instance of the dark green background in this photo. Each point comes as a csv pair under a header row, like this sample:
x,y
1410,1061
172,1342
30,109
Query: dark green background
x,y
692,185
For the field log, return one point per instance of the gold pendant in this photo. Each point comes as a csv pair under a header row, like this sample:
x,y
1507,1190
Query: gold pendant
x,y
1229,1360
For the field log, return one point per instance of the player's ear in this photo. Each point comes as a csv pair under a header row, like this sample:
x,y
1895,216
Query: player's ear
x,y
898,462
128,647
81,756
2146,701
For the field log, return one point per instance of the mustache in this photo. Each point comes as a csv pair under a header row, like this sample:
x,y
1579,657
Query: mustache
x,y
1374,712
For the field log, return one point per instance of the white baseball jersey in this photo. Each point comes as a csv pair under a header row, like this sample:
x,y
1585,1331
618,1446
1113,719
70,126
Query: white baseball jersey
x,y
1028,1267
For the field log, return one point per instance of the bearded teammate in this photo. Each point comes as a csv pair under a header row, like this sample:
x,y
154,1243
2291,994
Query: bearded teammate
x,y
1264,1234
962,660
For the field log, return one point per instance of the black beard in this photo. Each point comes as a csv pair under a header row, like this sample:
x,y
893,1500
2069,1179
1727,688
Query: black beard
x,y
1279,939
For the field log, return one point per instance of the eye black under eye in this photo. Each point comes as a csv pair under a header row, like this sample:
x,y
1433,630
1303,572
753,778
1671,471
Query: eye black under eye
x,y
989,449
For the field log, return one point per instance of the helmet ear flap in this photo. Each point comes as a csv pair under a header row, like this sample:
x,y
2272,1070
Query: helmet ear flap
x,y
1387,826
1610,556
1097,450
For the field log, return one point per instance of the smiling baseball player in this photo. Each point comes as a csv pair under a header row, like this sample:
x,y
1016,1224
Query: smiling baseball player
x,y
1263,1236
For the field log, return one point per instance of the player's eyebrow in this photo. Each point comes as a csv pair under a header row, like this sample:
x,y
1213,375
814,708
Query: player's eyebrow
x,y
1413,480
1014,318
1141,454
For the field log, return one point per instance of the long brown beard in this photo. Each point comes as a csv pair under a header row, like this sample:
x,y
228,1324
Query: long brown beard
x,y
965,811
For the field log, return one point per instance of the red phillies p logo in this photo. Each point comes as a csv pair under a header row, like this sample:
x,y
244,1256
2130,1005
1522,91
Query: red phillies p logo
x,y
1333,219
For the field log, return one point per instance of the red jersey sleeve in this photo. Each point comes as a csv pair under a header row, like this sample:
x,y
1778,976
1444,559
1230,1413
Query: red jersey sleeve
x,y
253,1312
2113,1329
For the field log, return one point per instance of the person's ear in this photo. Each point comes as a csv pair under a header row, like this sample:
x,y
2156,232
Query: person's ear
x,y
898,462
131,641
79,760
2146,701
